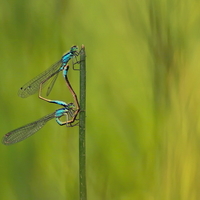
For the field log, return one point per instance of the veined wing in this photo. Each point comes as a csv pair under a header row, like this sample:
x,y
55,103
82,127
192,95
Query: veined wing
x,y
33,85
51,84
26,131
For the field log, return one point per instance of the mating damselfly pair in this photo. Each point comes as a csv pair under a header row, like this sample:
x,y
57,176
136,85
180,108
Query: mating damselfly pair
x,y
69,110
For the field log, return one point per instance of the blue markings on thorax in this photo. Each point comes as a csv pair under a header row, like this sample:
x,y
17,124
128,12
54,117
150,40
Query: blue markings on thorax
x,y
66,58
60,112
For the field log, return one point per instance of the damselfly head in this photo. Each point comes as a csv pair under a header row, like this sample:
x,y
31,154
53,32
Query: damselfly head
x,y
70,105
74,49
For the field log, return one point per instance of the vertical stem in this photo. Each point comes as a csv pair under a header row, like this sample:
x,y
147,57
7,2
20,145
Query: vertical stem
x,y
82,155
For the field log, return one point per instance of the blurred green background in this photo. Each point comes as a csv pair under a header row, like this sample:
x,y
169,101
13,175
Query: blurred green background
x,y
143,129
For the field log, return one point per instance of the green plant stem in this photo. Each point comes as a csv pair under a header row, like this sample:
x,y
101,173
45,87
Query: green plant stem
x,y
82,146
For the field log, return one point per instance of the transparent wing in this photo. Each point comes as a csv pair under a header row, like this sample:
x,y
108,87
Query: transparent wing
x,y
51,84
33,85
26,131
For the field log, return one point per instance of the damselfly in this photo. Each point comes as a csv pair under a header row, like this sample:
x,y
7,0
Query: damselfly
x,y
26,131
65,70
33,85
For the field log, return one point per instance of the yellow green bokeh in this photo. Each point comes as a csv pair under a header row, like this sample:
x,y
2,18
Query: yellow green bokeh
x,y
143,69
